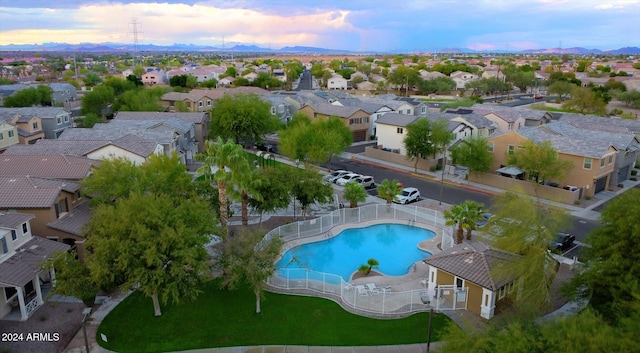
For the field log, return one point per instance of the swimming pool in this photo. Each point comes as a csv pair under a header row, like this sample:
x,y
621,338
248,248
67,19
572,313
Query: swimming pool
x,y
395,246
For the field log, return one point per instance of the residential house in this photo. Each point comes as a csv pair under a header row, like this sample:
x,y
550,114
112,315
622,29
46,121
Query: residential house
x,y
22,280
626,143
280,74
63,93
280,107
251,76
29,127
226,81
430,75
461,78
505,120
375,110
467,277
355,118
200,121
479,125
397,106
132,147
592,160
337,82
8,133
508,118
173,135
153,77
54,120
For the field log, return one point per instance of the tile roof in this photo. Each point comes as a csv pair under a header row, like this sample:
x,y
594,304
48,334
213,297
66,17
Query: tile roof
x,y
48,146
603,123
31,192
74,222
334,110
368,107
620,139
396,119
24,265
479,266
196,118
593,148
52,166
40,112
13,220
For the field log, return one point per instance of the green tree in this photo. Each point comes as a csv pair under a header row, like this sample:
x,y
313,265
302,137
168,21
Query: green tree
x,y
388,190
354,193
250,258
522,226
418,141
612,274
464,216
89,120
540,162
72,277
473,153
140,100
585,101
443,85
159,252
97,100
241,117
440,136
561,88
629,98
138,70
92,79
316,141
308,188
274,188
26,97
223,162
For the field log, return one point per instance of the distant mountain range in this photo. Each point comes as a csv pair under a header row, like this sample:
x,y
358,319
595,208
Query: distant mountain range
x,y
243,48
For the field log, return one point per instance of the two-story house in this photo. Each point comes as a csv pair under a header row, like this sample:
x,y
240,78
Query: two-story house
x,y
63,93
355,118
22,280
8,133
54,120
375,110
337,82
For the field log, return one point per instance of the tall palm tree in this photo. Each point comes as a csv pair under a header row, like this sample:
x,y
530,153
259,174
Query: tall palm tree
x,y
388,189
354,193
223,161
247,186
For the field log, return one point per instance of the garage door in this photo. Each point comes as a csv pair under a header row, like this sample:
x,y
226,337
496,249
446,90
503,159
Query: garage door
x,y
359,136
601,184
623,174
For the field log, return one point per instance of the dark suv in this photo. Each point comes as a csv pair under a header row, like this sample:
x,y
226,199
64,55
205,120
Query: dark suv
x,y
562,242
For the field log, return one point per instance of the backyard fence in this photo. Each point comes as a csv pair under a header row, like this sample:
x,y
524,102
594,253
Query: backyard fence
x,y
380,301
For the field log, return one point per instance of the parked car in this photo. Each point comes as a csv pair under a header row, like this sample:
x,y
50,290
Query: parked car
x,y
562,242
266,147
347,178
336,174
366,181
407,195
486,216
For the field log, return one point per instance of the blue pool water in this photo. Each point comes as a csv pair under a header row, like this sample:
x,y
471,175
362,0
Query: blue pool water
x,y
395,246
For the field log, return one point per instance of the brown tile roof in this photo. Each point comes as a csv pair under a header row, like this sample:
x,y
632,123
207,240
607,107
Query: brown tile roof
x,y
14,220
476,266
74,222
24,265
30,192
196,118
52,166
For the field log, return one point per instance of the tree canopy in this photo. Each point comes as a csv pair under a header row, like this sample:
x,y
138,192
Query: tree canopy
x,y
473,153
241,117
539,161
418,140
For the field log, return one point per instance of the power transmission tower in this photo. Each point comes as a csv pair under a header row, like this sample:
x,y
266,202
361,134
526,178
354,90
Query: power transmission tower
x,y
134,25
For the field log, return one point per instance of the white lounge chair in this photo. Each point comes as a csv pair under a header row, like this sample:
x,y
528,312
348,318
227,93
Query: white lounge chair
x,y
362,290
373,289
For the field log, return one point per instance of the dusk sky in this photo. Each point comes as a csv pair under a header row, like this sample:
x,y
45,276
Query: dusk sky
x,y
398,26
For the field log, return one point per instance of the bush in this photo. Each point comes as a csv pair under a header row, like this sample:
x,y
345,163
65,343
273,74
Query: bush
x,y
587,198
576,202
432,168
620,185
633,179
634,172
439,167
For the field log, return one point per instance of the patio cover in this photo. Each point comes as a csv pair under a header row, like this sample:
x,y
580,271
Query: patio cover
x,y
510,170
23,266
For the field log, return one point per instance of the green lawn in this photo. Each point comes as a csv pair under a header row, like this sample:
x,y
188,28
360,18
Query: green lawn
x,y
227,318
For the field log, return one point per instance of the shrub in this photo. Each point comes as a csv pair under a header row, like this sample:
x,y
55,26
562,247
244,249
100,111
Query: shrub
x,y
633,179
439,167
576,202
432,168
587,197
620,185
634,172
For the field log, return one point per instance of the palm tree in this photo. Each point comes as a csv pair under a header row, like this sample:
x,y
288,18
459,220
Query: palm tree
x,y
224,162
388,190
354,193
248,184
465,216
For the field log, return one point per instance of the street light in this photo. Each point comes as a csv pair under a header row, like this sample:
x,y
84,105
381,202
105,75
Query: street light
x,y
86,312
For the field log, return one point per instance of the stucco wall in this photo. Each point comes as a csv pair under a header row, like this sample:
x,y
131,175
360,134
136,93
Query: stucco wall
x,y
396,158
526,187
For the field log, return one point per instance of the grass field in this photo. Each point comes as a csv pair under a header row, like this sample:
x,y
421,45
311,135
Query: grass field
x,y
220,318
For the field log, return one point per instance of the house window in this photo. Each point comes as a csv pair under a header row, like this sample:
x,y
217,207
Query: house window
x,y
400,130
610,157
502,292
35,125
512,148
510,126
208,103
3,246
273,110
200,104
11,134
59,120
9,292
587,162
459,283
25,228
424,109
61,208
14,234
66,118
1,136
490,144
602,163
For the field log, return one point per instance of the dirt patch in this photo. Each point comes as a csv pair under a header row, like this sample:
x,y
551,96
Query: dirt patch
x,y
359,274
49,329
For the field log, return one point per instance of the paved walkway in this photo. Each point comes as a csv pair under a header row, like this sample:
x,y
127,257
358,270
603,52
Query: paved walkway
x,y
461,317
